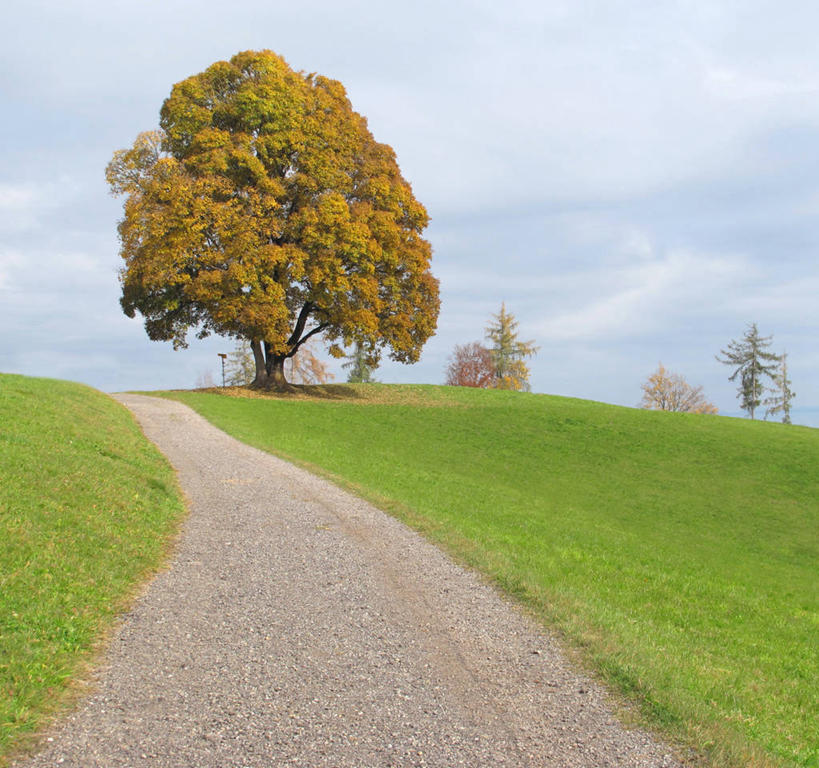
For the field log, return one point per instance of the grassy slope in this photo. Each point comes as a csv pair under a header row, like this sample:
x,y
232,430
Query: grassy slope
x,y
87,507
678,552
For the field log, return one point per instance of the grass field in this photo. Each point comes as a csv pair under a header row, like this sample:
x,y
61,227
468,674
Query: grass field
x,y
678,554
87,509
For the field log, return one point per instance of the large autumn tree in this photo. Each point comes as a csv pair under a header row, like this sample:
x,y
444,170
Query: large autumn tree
x,y
264,209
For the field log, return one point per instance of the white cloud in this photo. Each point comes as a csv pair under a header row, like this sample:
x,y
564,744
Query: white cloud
x,y
13,197
10,261
18,206
42,271
636,242
789,301
731,84
646,297
23,204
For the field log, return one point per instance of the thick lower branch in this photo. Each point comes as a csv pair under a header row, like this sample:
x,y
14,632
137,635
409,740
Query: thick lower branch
x,y
270,364
313,332
300,323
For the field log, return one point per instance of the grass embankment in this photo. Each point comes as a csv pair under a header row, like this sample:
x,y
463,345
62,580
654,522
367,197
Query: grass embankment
x,y
87,508
679,553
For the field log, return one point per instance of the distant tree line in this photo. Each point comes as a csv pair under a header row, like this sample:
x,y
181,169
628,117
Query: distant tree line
x,y
762,376
500,363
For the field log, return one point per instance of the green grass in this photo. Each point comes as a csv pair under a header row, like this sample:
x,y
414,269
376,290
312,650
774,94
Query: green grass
x,y
678,553
87,509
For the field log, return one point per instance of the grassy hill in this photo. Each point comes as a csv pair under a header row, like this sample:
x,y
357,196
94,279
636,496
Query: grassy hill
x,y
87,507
679,554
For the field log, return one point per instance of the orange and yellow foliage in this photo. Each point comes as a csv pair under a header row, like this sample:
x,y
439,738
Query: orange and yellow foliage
x,y
470,365
264,209
666,391
508,352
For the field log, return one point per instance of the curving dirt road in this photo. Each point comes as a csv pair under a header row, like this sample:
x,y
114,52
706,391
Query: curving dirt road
x,y
299,626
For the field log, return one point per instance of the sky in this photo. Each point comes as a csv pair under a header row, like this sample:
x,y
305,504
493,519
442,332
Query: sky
x,y
636,181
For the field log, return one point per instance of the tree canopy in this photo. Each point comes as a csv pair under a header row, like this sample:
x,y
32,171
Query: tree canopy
x,y
264,209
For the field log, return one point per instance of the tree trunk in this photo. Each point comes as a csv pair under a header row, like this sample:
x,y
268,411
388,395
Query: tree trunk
x,y
269,368
275,374
260,380
753,390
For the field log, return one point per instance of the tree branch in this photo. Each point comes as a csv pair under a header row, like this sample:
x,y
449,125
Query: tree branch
x,y
313,332
300,323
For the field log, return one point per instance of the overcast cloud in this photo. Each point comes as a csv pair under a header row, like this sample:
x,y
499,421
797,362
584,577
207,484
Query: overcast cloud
x,y
637,181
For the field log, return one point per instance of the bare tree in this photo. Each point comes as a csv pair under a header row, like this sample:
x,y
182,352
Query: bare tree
x,y
667,391
306,367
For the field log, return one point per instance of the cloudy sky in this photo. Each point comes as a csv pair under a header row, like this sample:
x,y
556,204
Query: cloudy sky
x,y
637,181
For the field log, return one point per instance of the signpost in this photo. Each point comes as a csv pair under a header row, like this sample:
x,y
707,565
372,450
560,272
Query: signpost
x,y
224,357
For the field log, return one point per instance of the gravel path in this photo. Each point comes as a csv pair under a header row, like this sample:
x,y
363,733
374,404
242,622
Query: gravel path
x,y
300,626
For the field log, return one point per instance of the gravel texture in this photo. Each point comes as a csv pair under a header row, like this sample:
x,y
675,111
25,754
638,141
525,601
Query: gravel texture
x,y
300,626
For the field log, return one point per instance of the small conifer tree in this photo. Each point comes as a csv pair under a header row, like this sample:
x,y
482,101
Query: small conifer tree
x,y
240,368
508,353
781,393
360,366
752,363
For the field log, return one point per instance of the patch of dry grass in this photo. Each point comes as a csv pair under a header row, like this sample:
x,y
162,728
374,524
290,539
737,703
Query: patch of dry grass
x,y
357,394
